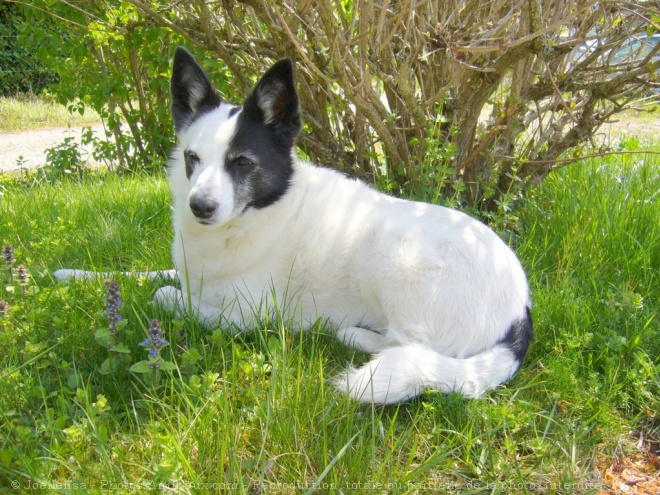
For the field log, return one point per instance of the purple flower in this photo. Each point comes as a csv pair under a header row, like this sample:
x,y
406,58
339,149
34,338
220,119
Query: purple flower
x,y
22,275
22,278
9,255
9,260
113,306
155,342
3,308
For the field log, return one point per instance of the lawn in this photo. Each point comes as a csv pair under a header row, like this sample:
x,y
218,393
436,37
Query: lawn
x,y
255,413
32,112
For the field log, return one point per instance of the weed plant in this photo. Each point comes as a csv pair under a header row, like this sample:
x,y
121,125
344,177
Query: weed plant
x,y
255,413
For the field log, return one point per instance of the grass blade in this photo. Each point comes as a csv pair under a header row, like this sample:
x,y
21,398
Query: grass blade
x,y
334,460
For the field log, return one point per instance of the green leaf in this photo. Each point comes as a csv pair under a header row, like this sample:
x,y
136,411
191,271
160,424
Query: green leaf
x,y
141,367
120,348
102,432
73,381
247,369
106,367
167,366
6,456
190,357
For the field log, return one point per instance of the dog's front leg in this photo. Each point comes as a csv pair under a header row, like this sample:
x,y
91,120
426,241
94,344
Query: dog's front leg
x,y
178,302
172,299
169,298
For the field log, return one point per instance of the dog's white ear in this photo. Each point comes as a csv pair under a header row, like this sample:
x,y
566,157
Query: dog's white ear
x,y
192,90
276,99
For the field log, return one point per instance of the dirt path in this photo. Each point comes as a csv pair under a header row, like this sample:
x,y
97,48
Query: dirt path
x,y
32,145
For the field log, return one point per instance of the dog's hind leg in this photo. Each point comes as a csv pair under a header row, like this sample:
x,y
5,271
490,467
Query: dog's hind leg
x,y
65,274
362,339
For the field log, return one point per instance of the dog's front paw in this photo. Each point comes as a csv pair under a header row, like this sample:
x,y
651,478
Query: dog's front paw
x,y
362,339
168,297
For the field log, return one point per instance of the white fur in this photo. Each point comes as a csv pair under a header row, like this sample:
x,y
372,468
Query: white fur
x,y
430,290
267,100
65,274
209,179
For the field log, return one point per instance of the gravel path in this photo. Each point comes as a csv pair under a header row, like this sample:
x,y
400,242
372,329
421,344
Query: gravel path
x,y
31,145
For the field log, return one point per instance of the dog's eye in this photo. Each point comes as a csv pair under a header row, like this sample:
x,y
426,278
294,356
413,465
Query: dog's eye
x,y
191,159
242,161
191,156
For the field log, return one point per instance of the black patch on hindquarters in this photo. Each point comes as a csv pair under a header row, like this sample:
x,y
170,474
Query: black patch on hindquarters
x,y
519,336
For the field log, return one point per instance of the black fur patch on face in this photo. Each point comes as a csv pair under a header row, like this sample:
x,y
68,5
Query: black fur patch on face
x,y
260,164
260,154
519,336
191,160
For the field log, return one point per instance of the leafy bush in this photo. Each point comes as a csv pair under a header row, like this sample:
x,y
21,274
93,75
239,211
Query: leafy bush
x,y
113,62
516,85
474,101
63,159
20,70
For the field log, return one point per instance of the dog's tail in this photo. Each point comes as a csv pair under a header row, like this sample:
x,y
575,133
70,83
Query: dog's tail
x,y
399,373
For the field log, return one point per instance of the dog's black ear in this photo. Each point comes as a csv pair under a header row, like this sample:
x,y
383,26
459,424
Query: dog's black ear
x,y
192,90
276,100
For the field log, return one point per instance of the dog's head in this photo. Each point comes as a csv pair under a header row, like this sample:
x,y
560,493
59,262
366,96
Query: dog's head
x,y
232,158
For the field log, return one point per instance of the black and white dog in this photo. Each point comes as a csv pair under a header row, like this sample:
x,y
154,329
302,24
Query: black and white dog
x,y
434,294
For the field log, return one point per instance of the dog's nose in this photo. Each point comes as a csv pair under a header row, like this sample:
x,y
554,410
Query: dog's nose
x,y
203,208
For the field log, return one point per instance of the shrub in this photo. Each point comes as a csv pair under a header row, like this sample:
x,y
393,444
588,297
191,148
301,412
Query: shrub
x,y
507,88
20,70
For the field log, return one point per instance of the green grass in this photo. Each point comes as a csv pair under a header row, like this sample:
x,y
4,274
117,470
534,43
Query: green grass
x,y
256,414
32,112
